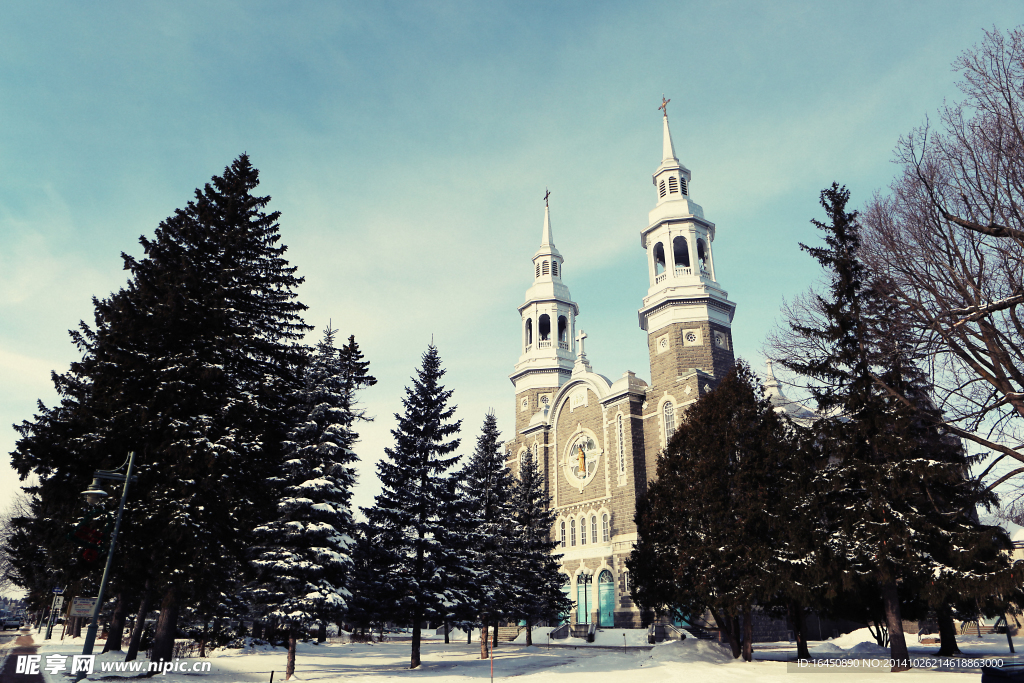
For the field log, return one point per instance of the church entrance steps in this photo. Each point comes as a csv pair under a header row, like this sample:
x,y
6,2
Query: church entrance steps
x,y
509,633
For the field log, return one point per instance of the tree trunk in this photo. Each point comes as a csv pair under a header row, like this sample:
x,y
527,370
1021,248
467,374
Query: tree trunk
x,y
529,632
115,632
78,627
446,641
797,619
139,625
166,627
897,643
417,618
947,632
469,634
494,637
484,652
289,667
729,629
321,633
748,634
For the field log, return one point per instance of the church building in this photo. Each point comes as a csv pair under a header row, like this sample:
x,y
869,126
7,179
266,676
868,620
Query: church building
x,y
596,440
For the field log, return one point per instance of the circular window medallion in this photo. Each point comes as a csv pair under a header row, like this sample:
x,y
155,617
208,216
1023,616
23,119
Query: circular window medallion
x,y
663,343
544,400
691,337
581,457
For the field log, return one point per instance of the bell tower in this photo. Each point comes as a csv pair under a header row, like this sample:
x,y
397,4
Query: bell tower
x,y
548,331
686,313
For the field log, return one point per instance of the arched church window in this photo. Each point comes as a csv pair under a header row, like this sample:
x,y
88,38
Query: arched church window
x,y
670,420
661,189
625,583
583,531
684,188
622,447
544,268
605,531
554,268
563,534
659,258
572,532
563,329
593,527
544,327
702,254
681,252
529,331
673,185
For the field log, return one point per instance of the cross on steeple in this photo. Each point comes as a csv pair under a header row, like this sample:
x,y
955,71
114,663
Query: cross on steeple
x,y
580,336
547,193
664,105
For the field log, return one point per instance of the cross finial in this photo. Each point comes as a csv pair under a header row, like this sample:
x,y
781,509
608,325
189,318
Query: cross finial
x,y
580,336
664,105
547,193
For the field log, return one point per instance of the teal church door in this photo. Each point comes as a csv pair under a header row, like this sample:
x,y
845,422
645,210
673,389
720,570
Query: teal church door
x,y
583,604
605,599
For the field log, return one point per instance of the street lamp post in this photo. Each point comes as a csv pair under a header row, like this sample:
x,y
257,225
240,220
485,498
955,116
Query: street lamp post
x,y
94,495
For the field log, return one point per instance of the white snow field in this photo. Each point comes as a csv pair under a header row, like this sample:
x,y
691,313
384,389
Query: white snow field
x,y
690,660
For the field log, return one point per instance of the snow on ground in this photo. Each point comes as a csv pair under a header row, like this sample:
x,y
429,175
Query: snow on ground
x,y
689,660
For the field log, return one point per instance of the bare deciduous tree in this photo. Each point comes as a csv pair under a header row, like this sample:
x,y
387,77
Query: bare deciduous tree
x,y
949,239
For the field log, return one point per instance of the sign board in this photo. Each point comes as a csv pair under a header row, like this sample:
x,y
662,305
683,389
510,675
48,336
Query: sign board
x,y
58,590
82,607
58,601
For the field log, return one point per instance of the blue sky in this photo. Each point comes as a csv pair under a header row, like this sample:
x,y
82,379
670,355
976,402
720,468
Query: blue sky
x,y
408,146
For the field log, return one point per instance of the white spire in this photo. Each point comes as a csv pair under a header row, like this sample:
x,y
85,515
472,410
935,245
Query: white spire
x,y
668,151
545,238
771,385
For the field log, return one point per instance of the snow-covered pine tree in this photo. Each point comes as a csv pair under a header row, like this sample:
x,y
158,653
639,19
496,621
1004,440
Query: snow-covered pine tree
x,y
486,486
189,365
303,557
408,516
708,529
883,460
950,558
537,578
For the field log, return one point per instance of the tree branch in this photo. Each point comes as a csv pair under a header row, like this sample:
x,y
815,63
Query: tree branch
x,y
977,312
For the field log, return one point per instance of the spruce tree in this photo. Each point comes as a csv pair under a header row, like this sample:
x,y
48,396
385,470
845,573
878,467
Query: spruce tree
x,y
710,527
537,578
486,486
883,462
409,516
189,365
304,555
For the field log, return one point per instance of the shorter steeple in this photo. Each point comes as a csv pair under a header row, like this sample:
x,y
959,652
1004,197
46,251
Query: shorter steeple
x,y
548,317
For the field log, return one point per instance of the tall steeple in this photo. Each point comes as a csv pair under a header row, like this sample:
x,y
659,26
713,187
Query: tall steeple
x,y
548,319
686,312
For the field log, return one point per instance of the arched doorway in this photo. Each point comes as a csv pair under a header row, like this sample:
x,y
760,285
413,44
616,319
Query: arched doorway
x,y
605,599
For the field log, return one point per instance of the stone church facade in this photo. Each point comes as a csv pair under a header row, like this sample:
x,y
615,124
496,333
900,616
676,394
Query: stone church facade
x,y
596,440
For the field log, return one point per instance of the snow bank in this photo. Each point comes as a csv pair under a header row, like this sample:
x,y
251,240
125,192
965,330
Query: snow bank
x,y
540,635
871,649
822,649
861,635
691,651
